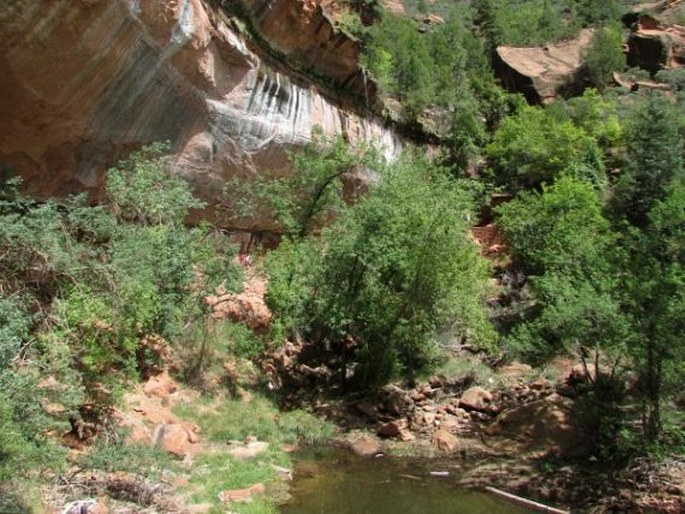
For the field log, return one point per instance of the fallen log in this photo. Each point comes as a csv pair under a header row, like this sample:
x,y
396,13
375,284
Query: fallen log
x,y
540,507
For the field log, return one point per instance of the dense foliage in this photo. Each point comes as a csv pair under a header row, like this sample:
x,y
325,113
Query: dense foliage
x,y
86,292
376,267
609,275
387,276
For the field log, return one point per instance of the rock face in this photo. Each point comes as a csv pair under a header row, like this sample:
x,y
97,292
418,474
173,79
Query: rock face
x,y
543,73
318,47
85,82
654,46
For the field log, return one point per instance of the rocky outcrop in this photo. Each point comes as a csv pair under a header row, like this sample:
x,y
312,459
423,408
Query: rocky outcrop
x,y
318,47
85,82
543,73
654,46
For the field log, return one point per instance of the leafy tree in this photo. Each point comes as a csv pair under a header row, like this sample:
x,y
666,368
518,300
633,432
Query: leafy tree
x,y
592,12
561,240
393,270
534,147
142,189
309,197
604,56
648,204
654,160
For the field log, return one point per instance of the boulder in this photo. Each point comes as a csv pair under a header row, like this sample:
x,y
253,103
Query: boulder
x,y
544,425
174,438
397,401
162,386
392,428
248,306
475,398
543,73
445,441
249,450
366,446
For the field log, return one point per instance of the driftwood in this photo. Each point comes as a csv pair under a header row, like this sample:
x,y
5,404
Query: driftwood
x,y
525,502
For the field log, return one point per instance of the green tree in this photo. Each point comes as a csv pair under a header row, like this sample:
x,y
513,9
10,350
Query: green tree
x,y
592,12
561,240
534,147
648,204
395,269
604,56
308,198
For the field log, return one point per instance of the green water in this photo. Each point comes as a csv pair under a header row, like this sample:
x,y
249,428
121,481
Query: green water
x,y
337,482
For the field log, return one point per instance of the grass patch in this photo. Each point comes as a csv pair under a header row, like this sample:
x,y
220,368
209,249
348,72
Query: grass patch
x,y
142,460
234,420
222,420
461,368
216,472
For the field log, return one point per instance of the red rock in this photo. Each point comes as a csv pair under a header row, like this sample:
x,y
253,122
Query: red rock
x,y
445,441
161,386
654,46
540,384
366,446
103,78
475,398
542,73
242,495
174,438
545,425
392,428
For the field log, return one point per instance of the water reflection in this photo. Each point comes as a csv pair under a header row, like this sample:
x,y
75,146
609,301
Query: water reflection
x,y
329,481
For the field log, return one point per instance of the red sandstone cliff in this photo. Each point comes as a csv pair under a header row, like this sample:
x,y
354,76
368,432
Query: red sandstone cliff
x,y
86,81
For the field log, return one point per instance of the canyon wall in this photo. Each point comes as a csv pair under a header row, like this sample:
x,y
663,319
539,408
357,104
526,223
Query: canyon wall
x,y
86,81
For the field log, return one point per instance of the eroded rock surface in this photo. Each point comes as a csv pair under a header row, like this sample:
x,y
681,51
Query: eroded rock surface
x,y
653,45
85,82
543,73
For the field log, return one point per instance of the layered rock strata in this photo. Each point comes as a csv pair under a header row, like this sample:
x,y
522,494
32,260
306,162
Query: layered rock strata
x,y
84,82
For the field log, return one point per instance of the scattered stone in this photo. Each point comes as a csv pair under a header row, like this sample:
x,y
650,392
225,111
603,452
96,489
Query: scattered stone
x,y
283,473
392,428
174,438
79,507
241,495
368,409
475,398
397,401
366,446
162,386
248,307
406,435
539,385
445,441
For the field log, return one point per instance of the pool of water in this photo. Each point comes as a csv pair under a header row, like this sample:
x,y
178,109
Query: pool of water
x,y
331,481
